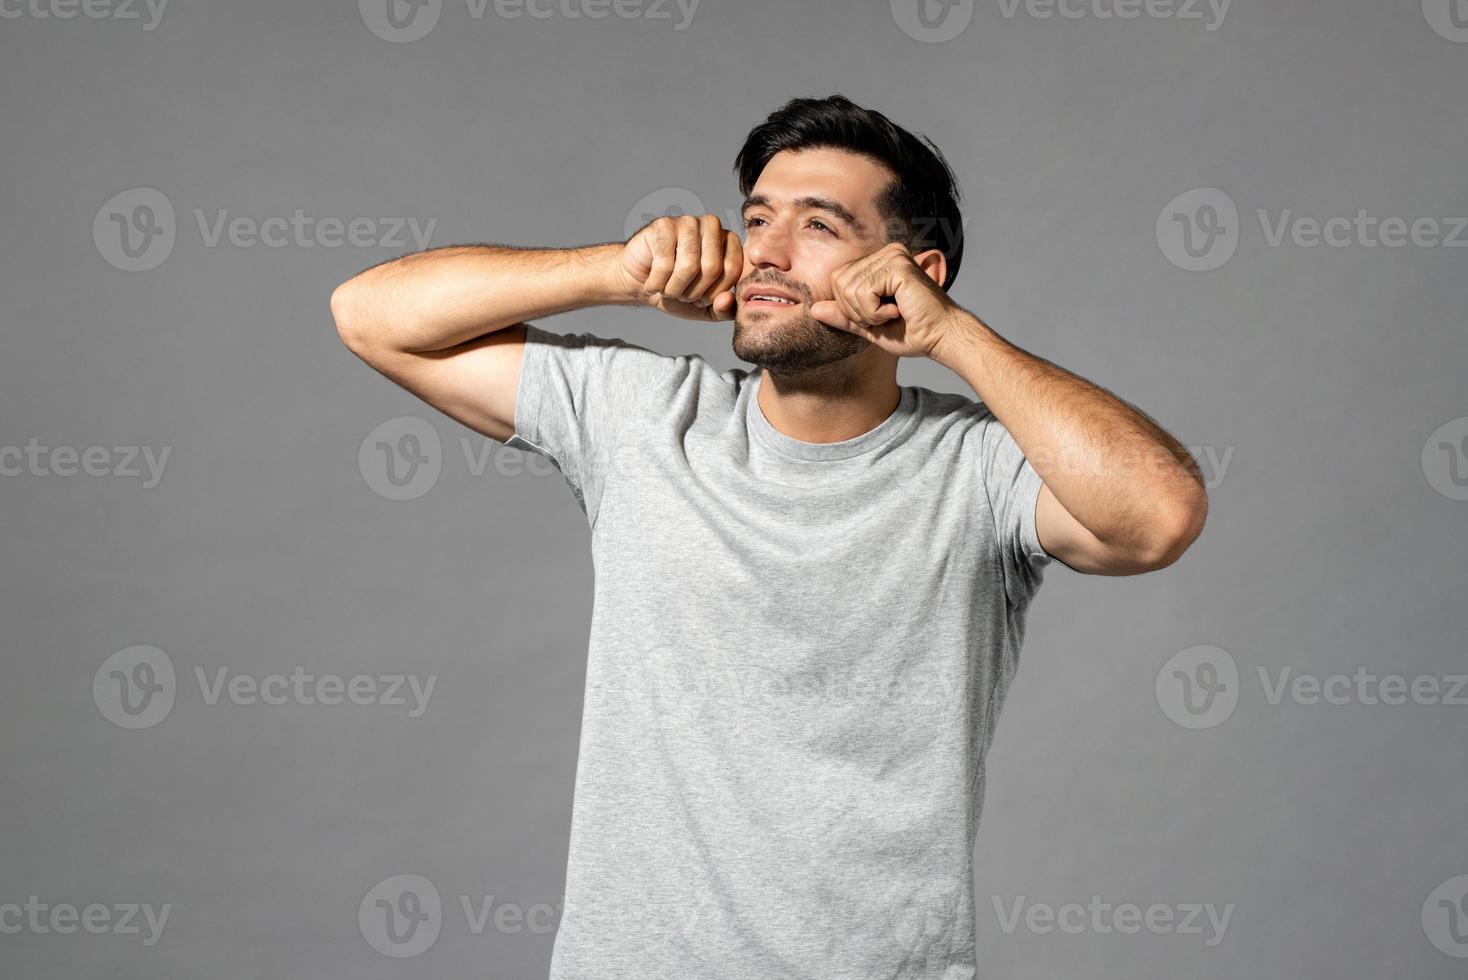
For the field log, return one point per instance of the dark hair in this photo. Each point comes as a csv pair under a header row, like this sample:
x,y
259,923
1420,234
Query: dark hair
x,y
919,207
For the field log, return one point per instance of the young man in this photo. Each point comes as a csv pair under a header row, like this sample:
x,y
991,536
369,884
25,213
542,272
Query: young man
x,y
811,582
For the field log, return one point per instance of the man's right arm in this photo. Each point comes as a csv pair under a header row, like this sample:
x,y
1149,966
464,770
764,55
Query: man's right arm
x,y
449,324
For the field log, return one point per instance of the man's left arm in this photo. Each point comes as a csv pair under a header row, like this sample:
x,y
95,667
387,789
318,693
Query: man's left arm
x,y
1120,495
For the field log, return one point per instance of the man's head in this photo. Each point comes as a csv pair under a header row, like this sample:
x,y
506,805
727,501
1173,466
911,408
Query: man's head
x,y
826,182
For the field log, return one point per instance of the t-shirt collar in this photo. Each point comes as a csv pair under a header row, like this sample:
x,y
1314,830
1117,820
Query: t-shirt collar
x,y
865,442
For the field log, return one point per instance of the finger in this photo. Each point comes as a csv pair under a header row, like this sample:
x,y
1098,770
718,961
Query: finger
x,y
733,263
867,302
686,262
723,306
877,310
847,305
846,290
711,257
829,312
867,293
663,241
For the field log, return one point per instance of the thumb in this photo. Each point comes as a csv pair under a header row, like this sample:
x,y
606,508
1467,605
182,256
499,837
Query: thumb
x,y
829,313
723,305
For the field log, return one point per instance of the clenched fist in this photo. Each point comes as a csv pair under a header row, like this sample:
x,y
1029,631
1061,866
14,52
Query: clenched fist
x,y
887,298
685,266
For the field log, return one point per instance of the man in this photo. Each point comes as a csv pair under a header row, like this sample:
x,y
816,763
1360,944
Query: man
x,y
811,582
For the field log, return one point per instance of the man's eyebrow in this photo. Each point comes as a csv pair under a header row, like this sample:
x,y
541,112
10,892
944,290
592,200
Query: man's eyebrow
x,y
835,208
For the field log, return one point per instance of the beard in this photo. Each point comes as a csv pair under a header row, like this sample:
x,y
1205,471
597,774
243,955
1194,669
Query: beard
x,y
790,341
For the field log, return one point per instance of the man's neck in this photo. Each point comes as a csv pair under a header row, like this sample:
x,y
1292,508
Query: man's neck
x,y
831,403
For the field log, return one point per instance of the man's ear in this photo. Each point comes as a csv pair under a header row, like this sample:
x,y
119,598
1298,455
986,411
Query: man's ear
x,y
934,263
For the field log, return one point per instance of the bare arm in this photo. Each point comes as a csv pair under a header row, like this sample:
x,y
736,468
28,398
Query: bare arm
x,y
1121,495
435,322
448,324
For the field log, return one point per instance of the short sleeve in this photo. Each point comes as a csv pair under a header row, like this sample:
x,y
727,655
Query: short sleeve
x,y
577,393
1013,487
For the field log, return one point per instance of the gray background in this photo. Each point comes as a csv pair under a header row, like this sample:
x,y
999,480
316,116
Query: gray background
x,y
1319,374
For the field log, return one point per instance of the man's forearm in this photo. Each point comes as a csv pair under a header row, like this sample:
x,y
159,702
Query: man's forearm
x,y
440,298
1115,470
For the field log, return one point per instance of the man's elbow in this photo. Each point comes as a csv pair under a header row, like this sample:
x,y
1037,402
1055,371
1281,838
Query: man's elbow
x,y
343,312
1176,532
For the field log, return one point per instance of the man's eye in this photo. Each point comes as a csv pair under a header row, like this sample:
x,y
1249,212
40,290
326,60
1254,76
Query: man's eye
x,y
752,222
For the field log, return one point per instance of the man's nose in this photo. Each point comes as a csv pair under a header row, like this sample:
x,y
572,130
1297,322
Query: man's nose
x,y
769,249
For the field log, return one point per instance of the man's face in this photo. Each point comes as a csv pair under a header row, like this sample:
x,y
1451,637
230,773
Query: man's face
x,y
810,212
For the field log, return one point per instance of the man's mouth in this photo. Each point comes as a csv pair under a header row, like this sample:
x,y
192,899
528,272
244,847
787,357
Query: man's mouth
x,y
762,298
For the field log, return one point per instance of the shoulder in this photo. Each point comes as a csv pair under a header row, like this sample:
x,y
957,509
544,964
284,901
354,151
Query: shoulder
x,y
639,371
950,413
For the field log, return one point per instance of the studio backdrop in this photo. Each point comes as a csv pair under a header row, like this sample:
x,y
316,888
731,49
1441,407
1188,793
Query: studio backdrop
x,y
294,664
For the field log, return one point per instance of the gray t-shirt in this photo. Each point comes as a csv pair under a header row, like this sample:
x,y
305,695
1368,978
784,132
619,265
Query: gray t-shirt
x,y
798,654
